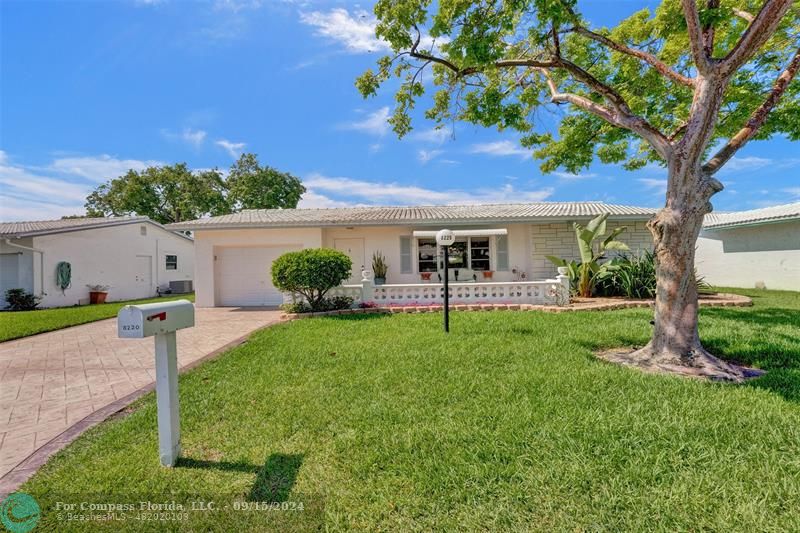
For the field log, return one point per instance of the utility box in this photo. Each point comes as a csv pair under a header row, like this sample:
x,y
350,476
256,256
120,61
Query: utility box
x,y
181,286
147,320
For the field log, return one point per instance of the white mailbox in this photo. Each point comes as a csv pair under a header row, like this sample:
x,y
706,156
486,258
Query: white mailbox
x,y
161,320
147,320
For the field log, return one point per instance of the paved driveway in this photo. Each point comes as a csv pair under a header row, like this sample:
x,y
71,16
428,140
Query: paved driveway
x,y
50,381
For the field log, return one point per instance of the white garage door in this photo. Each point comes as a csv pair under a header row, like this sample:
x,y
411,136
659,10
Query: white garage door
x,y
244,276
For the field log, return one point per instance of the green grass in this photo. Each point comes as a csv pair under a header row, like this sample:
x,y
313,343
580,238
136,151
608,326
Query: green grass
x,y
386,423
14,325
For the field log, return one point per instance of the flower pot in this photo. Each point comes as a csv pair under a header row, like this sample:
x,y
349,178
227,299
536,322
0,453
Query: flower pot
x,y
97,297
487,274
563,271
425,276
380,281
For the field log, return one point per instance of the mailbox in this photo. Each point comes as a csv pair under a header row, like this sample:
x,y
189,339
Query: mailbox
x,y
161,320
147,320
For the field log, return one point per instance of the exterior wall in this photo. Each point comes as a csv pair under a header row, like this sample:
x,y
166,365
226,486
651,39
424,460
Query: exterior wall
x,y
24,260
110,256
558,239
206,242
747,256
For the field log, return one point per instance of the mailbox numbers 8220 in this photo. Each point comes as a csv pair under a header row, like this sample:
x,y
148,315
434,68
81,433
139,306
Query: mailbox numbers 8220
x,y
130,327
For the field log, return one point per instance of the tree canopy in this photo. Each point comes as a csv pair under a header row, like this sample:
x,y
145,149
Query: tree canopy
x,y
174,193
502,63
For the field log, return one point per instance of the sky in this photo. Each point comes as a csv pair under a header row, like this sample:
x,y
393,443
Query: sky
x,y
90,89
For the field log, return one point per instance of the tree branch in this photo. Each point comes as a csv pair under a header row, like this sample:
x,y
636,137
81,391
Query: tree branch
x,y
661,67
742,14
701,59
708,31
757,118
756,34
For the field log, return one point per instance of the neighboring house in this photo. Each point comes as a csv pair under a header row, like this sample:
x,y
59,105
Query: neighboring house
x,y
132,254
234,253
757,248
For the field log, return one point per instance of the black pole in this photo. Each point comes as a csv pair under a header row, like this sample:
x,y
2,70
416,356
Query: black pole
x,y
446,291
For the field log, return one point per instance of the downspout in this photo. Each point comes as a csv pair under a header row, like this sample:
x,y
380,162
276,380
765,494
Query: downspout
x,y
41,261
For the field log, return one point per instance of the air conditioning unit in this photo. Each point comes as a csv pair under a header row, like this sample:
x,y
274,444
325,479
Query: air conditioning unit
x,y
182,286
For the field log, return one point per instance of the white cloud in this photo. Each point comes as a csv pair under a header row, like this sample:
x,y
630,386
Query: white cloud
x,y
747,163
499,148
236,5
794,192
569,176
426,155
195,138
374,123
433,135
355,32
394,193
311,199
234,149
656,185
98,168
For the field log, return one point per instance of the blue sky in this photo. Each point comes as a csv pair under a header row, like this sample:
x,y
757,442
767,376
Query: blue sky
x,y
90,89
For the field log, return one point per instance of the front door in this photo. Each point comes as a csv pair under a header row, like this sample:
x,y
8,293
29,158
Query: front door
x,y
354,249
143,276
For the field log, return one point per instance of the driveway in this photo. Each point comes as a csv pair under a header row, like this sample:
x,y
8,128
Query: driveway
x,y
48,382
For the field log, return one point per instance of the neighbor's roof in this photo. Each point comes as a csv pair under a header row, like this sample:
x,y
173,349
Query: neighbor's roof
x,y
47,227
419,215
754,216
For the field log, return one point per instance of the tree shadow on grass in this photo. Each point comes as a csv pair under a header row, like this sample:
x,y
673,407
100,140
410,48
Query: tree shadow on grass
x,y
274,479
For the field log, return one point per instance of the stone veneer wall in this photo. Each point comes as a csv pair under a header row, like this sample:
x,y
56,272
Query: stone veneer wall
x,y
558,239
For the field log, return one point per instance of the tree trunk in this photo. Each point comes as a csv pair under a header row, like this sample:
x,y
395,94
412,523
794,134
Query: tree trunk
x,y
675,345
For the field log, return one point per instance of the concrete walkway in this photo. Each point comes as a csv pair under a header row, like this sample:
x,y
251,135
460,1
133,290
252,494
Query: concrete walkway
x,y
51,381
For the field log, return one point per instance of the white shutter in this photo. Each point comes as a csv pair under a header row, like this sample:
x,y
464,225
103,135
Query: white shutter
x,y
501,252
405,255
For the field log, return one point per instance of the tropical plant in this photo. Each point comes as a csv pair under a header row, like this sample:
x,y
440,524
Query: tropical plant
x,y
632,276
592,250
683,84
311,273
21,300
379,266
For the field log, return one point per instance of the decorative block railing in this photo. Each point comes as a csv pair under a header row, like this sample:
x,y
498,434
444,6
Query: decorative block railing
x,y
545,292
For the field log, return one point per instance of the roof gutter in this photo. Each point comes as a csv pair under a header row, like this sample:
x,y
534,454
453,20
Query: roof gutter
x,y
41,261
732,225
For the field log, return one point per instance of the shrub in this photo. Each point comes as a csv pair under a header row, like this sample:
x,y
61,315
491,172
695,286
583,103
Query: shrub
x,y
311,273
327,304
632,276
21,300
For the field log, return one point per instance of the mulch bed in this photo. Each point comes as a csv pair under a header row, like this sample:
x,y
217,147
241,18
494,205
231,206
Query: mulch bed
x,y
576,304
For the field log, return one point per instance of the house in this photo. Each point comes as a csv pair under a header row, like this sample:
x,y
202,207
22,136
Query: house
x,y
233,253
756,248
134,255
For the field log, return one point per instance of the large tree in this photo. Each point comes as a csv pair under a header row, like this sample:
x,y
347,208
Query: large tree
x,y
686,86
174,193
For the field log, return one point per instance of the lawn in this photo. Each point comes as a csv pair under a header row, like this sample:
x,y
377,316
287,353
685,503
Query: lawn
x,y
24,323
385,423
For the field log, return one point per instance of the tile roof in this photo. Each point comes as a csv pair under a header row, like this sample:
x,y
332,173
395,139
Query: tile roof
x,y
46,227
455,214
753,216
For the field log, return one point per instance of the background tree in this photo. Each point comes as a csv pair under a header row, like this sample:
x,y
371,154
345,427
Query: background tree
x,y
174,193
167,194
668,86
251,186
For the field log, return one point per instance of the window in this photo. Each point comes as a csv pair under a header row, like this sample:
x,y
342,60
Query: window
x,y
405,255
142,230
426,255
172,262
479,253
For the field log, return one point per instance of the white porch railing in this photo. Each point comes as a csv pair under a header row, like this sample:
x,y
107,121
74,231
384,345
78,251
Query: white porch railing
x,y
545,292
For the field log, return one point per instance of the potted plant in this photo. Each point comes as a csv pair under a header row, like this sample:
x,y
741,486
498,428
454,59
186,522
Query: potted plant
x,y
487,274
426,276
98,293
379,268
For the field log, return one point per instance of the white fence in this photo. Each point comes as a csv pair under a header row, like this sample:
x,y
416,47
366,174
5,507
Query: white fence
x,y
545,292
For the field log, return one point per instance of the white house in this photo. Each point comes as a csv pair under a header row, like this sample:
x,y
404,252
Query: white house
x,y
233,253
757,248
134,255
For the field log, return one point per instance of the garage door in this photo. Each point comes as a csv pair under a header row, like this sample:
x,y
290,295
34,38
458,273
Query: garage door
x,y
244,276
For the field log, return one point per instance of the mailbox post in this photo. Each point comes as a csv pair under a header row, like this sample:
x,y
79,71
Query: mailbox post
x,y
161,320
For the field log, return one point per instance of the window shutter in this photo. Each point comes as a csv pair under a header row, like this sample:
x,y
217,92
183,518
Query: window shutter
x,y
405,255
501,252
